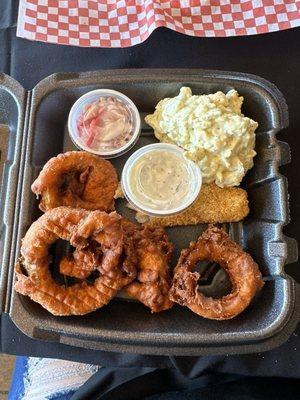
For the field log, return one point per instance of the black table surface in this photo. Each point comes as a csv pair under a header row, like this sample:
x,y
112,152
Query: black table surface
x,y
275,57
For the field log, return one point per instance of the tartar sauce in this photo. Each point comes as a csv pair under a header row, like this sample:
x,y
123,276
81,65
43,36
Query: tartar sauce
x,y
160,180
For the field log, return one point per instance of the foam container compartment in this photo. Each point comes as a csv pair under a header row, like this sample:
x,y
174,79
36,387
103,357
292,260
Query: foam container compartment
x,y
127,326
12,115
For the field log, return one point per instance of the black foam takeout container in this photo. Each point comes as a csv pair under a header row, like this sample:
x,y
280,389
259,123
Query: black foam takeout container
x,y
12,116
125,325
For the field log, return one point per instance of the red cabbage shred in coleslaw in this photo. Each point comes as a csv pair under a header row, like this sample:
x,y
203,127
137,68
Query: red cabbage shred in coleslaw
x,y
105,124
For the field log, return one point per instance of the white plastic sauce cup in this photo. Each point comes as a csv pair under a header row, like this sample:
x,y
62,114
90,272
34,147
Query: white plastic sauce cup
x,y
194,173
90,97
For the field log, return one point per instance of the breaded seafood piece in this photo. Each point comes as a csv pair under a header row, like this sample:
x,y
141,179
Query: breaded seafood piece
x,y
213,205
153,281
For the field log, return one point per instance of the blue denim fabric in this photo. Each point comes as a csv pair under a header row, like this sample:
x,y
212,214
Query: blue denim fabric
x,y
17,383
16,391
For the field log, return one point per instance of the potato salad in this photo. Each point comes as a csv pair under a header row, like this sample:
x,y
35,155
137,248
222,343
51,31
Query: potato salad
x,y
212,130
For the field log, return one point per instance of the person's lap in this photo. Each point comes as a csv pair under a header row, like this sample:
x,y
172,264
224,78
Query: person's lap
x,y
38,379
42,378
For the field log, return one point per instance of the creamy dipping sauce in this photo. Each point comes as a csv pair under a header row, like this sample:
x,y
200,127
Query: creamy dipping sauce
x,y
160,180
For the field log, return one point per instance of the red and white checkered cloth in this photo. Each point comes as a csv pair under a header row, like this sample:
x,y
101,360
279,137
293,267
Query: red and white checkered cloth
x,y
121,23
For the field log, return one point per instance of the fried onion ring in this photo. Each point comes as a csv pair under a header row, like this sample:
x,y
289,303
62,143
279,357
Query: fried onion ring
x,y
76,179
152,284
215,245
80,228
81,263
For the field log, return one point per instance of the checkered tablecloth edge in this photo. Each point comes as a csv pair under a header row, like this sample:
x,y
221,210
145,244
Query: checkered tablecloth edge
x,y
119,23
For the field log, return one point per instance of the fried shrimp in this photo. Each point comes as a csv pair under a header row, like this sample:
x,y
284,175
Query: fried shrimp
x,y
152,284
83,229
215,245
76,179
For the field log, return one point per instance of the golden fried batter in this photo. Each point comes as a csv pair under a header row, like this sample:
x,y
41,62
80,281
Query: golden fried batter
x,y
76,179
82,262
152,284
215,245
80,228
213,205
